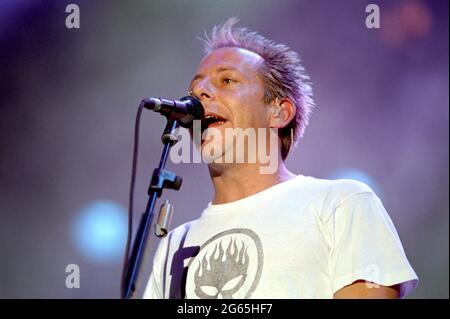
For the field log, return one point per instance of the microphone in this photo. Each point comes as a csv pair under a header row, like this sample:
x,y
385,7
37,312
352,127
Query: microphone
x,y
184,110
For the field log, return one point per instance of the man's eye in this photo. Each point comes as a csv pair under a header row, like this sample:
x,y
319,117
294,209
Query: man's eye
x,y
228,81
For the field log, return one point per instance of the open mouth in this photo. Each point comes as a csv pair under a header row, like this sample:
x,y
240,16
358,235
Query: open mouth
x,y
210,121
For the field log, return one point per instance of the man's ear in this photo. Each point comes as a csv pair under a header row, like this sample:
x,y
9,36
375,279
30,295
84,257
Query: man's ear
x,y
283,111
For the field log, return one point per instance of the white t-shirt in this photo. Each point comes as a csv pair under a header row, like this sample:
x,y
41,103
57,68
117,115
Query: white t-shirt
x,y
303,238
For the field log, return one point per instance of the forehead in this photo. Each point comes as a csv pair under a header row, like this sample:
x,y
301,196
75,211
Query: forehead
x,y
237,58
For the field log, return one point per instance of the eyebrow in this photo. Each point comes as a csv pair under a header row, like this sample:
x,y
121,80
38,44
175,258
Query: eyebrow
x,y
199,76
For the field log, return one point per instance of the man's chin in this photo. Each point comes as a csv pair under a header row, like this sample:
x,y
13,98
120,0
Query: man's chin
x,y
212,152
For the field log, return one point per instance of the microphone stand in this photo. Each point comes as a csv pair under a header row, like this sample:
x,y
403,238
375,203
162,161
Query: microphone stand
x,y
161,179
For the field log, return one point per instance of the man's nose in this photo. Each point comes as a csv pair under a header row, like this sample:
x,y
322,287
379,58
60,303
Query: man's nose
x,y
204,91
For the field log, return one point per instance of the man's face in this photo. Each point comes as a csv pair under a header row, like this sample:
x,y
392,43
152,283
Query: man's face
x,y
230,89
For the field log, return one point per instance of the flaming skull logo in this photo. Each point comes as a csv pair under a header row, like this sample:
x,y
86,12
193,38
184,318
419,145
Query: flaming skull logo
x,y
223,277
228,266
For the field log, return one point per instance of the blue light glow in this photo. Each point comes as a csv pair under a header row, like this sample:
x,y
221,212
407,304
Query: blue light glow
x,y
99,231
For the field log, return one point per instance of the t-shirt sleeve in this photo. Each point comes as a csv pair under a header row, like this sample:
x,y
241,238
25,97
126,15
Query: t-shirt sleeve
x,y
366,246
154,288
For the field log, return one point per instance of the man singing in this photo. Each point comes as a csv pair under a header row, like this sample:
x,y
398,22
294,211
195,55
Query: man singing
x,y
269,233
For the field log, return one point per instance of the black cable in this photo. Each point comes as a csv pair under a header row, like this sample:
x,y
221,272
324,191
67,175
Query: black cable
x,y
130,200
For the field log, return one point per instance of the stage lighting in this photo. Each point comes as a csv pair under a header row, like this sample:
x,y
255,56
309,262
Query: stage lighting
x,y
99,231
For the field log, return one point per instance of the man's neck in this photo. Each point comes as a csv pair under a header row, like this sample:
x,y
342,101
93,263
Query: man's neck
x,y
238,181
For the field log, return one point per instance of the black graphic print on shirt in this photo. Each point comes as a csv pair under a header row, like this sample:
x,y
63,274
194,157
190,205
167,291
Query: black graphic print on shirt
x,y
228,265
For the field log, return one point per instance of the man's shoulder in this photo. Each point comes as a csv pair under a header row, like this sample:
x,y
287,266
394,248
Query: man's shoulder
x,y
324,196
347,186
180,231
331,190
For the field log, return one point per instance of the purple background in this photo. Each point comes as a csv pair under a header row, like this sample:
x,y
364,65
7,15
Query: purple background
x,y
68,99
